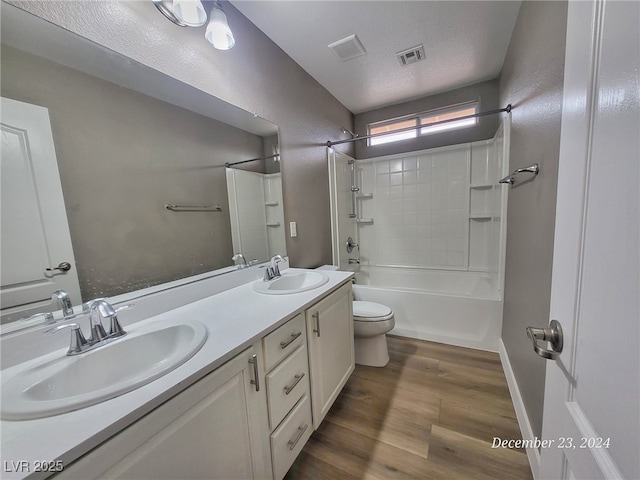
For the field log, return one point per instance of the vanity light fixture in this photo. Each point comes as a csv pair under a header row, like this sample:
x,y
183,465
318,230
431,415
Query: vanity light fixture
x,y
192,13
218,32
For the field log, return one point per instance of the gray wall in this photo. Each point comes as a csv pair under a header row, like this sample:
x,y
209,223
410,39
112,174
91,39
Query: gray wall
x,y
122,156
255,75
486,93
531,81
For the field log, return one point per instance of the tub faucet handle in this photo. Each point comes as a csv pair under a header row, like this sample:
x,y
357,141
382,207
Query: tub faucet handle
x,y
351,245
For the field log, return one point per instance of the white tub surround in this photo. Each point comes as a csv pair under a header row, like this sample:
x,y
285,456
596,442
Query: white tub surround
x,y
430,229
235,319
457,308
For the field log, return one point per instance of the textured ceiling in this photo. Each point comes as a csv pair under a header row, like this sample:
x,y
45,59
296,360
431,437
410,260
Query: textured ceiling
x,y
464,43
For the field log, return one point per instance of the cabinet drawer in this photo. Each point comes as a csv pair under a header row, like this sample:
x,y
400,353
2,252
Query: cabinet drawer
x,y
284,340
289,438
286,384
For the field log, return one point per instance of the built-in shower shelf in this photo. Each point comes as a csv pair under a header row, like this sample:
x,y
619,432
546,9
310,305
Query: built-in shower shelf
x,y
273,224
364,196
272,204
481,186
366,221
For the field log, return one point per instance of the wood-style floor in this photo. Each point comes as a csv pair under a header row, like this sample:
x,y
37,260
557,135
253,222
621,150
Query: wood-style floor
x,y
431,413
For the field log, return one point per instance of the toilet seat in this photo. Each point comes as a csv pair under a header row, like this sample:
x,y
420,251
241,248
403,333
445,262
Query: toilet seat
x,y
370,312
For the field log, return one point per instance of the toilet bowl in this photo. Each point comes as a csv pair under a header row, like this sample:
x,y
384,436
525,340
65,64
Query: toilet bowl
x,y
371,322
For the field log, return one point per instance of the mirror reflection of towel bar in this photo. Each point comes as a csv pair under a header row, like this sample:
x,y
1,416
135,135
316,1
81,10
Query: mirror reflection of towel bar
x,y
535,169
193,208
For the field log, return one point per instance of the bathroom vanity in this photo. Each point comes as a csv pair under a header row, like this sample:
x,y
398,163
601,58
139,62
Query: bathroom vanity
x,y
243,406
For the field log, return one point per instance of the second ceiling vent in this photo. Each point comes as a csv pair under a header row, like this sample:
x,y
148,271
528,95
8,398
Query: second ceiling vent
x,y
411,55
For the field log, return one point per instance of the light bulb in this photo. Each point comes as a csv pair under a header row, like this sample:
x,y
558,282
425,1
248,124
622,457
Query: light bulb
x,y
218,32
190,12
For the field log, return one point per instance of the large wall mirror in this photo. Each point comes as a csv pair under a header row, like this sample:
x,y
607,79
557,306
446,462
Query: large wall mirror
x,y
128,142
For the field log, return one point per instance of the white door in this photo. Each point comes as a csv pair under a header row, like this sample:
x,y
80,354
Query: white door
x,y
591,410
35,231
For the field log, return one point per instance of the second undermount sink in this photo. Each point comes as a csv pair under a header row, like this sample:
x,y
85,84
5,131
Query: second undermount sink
x,y
291,282
69,383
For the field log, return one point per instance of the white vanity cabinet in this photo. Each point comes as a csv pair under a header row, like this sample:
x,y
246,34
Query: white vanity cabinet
x,y
214,429
288,392
224,426
331,350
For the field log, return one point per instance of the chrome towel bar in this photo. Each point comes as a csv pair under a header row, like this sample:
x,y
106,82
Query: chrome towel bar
x,y
193,208
535,169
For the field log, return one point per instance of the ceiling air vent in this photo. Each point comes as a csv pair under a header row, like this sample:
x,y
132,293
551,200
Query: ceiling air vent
x,y
411,55
348,48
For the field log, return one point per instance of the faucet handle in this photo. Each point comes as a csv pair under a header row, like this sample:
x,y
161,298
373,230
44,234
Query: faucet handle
x,y
46,317
78,342
275,270
268,273
115,329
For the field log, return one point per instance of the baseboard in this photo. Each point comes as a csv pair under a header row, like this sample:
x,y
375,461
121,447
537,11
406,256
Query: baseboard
x,y
533,454
485,346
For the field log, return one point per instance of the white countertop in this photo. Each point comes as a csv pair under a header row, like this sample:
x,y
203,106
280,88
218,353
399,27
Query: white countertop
x,y
235,320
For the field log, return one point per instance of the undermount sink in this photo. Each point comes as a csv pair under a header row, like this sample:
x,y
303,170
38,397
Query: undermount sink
x,y
69,383
291,282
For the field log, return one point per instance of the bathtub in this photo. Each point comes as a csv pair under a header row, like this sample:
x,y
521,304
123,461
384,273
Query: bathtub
x,y
457,308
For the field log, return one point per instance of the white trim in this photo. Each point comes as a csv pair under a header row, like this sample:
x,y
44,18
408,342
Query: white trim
x,y
533,454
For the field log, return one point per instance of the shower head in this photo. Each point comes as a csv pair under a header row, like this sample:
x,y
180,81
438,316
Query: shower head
x,y
353,135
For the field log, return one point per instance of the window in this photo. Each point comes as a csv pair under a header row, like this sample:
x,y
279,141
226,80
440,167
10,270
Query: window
x,y
424,118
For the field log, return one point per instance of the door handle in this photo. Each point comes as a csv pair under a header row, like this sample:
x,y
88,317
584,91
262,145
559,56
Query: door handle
x,y
63,267
552,334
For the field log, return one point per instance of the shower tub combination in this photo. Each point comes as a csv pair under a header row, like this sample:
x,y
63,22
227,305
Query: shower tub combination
x,y
457,308
426,233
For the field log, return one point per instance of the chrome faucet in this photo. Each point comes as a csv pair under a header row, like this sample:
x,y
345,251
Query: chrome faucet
x,y
98,309
272,271
62,298
243,261
275,260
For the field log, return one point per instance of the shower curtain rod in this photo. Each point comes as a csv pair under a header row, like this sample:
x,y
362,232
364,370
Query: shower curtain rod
x,y
407,129
250,160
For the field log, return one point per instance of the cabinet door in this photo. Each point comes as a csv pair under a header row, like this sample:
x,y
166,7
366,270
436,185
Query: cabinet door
x,y
214,429
331,353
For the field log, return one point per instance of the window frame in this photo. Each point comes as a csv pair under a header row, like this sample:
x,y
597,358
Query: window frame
x,y
418,120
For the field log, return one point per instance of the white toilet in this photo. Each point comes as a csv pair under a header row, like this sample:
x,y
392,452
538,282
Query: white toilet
x,y
371,322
